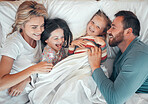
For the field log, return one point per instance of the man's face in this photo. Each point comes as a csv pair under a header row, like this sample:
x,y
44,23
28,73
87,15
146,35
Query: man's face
x,y
116,32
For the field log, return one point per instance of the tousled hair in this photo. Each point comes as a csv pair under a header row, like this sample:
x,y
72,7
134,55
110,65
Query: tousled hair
x,y
25,12
130,20
106,18
53,24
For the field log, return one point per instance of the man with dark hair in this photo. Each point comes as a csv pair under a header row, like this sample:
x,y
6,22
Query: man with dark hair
x,y
130,69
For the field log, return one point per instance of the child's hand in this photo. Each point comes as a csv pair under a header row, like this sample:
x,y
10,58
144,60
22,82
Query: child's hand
x,y
79,42
100,41
19,88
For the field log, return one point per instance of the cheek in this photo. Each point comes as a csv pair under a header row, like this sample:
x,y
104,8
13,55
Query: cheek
x,y
53,42
98,31
42,29
88,25
63,40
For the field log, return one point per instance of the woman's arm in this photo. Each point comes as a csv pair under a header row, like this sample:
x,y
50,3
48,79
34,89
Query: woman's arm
x,y
8,80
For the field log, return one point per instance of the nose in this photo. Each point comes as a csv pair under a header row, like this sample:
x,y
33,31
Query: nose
x,y
92,27
40,30
109,31
60,40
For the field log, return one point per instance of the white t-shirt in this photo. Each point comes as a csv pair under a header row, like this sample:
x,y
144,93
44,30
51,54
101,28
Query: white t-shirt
x,y
22,53
24,56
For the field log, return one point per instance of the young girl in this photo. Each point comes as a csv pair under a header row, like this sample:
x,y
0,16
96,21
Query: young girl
x,y
55,38
95,36
21,50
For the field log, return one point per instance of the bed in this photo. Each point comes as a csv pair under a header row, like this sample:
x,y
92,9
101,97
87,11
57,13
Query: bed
x,y
77,13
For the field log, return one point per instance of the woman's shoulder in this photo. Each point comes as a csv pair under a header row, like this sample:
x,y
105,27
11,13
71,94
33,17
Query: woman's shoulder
x,y
14,37
13,40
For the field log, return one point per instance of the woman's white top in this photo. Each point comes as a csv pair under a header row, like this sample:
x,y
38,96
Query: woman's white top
x,y
24,56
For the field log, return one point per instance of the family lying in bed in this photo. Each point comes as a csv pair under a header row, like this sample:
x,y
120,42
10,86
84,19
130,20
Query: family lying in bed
x,y
77,78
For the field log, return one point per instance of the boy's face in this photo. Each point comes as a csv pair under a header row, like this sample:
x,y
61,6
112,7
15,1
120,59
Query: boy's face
x,y
56,40
95,26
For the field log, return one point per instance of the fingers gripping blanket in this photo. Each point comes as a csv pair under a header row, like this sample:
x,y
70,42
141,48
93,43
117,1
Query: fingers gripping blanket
x,y
69,82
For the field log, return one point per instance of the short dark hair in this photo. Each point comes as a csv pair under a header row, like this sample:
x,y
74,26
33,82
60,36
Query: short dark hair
x,y
130,20
53,24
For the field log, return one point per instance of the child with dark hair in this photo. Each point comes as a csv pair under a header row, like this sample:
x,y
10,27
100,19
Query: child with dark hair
x,y
55,38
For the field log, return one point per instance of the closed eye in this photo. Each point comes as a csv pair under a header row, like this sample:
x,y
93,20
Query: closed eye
x,y
42,25
34,27
98,27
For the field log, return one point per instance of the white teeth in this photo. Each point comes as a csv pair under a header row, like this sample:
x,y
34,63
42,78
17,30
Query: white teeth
x,y
110,36
36,34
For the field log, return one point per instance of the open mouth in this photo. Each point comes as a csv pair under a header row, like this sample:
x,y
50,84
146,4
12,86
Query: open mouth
x,y
91,29
110,36
59,45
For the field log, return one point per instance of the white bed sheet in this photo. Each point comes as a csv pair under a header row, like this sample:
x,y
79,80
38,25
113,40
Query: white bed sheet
x,y
77,13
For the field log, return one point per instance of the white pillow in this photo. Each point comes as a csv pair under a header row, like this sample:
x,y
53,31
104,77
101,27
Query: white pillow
x,y
139,7
7,15
77,14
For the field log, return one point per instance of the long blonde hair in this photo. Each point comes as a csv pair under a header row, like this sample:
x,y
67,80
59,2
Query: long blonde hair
x,y
25,12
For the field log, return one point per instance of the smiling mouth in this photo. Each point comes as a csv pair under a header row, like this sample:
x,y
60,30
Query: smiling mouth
x,y
59,45
91,29
37,34
110,36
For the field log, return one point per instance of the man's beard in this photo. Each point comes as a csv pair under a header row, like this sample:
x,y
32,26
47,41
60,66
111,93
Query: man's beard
x,y
114,41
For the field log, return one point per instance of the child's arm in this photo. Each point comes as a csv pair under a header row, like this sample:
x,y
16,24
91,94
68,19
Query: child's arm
x,y
78,42
101,41
18,88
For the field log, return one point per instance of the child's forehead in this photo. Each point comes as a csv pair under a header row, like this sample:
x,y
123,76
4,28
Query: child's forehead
x,y
98,18
57,32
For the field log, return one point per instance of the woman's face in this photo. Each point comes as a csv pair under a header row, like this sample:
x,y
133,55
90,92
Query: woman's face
x,y
33,29
56,40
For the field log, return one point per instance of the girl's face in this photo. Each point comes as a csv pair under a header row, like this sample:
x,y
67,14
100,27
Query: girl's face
x,y
33,28
95,26
56,40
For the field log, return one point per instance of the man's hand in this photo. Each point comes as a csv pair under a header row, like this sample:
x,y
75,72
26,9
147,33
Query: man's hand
x,y
94,57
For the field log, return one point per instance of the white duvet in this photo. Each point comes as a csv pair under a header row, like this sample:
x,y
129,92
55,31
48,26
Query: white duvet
x,y
69,82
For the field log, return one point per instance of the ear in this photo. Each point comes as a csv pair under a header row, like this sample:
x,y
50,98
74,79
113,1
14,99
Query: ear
x,y
46,41
129,31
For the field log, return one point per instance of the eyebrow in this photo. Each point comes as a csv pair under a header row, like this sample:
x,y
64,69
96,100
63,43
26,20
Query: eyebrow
x,y
37,25
34,25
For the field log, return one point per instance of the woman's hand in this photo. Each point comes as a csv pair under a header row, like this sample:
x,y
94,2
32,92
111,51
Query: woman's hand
x,y
78,42
94,57
41,67
18,88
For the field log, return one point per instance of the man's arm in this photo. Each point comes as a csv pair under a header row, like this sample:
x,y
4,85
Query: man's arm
x,y
130,78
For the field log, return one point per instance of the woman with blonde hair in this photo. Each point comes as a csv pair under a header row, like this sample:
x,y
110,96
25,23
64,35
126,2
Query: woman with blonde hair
x,y
21,52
